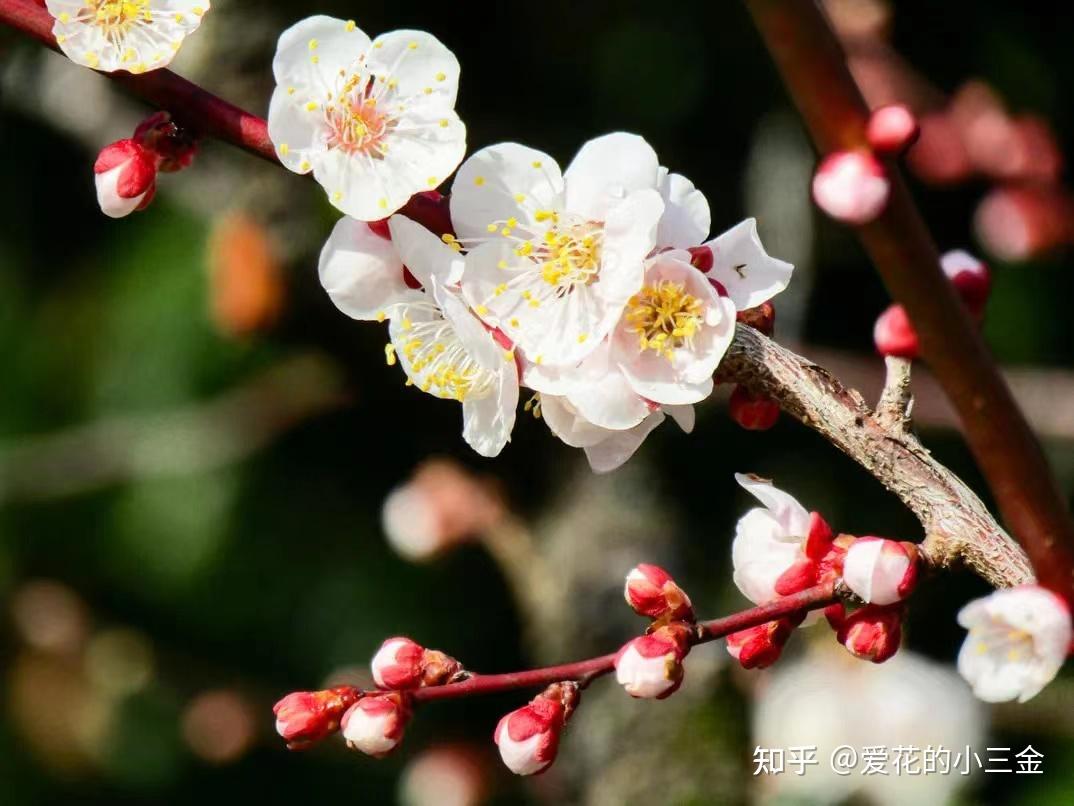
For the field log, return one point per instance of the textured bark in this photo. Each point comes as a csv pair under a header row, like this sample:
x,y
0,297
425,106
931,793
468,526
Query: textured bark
x,y
957,524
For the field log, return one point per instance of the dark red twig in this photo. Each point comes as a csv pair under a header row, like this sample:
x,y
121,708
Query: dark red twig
x,y
587,670
813,66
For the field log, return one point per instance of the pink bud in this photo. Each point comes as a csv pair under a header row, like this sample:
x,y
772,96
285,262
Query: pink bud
x,y
880,571
970,276
651,592
173,146
892,129
894,335
752,412
1020,222
375,724
397,664
528,737
126,174
306,717
759,647
650,666
851,187
872,632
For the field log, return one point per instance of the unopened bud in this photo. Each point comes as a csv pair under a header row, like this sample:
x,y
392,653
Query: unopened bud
x,y
894,335
306,717
851,187
528,737
880,571
650,666
375,724
403,664
173,146
651,592
759,647
762,318
971,278
872,632
892,129
126,174
752,412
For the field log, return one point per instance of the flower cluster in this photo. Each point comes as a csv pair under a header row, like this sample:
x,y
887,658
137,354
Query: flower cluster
x,y
592,287
781,549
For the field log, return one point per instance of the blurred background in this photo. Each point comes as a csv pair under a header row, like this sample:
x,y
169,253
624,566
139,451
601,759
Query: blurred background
x,y
213,491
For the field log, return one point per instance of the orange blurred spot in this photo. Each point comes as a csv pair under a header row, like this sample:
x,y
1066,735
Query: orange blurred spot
x,y
246,282
218,726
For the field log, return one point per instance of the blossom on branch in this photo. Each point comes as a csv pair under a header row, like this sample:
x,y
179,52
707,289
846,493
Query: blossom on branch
x,y
872,632
1018,639
305,717
132,35
782,548
375,724
374,120
403,664
759,647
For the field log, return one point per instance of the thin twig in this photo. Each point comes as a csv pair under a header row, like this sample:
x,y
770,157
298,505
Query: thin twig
x,y
814,70
896,401
588,670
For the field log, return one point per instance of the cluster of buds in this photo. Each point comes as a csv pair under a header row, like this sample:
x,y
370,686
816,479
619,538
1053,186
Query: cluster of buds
x,y
651,665
372,722
853,186
894,335
782,549
126,171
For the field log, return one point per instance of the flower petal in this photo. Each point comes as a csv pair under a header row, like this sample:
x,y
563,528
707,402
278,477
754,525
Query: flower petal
x,y
744,269
606,170
607,455
419,63
423,253
687,218
792,516
362,272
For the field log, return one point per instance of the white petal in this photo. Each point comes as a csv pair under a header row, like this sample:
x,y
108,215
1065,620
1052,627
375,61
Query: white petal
x,y
792,516
612,452
310,54
296,134
487,422
417,61
686,219
744,269
683,416
362,272
606,170
490,182
423,253
565,423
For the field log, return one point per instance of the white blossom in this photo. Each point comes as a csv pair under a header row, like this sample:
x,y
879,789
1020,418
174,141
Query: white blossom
x,y
1018,639
373,120
131,35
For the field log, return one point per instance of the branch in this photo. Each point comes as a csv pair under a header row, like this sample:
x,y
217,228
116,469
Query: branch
x,y
813,67
897,400
585,671
957,524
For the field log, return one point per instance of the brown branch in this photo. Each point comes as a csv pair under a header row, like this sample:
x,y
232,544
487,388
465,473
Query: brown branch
x,y
956,522
586,671
896,401
814,69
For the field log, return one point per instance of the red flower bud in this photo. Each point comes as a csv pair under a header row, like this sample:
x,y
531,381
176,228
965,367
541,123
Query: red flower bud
x,y
759,647
528,737
892,129
752,412
375,724
306,717
851,187
651,592
872,632
894,335
126,174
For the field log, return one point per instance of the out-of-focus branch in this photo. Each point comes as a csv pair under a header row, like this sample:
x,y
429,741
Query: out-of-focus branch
x,y
196,438
957,525
814,69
